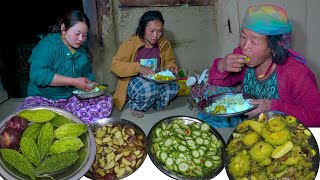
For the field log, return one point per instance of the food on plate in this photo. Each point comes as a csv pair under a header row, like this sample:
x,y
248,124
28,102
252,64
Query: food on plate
x,y
247,59
162,76
28,143
274,148
120,151
11,135
190,150
96,89
229,104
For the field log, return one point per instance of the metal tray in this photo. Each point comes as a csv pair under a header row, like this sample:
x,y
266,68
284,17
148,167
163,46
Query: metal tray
x,y
75,171
125,123
312,141
156,81
172,174
209,100
88,95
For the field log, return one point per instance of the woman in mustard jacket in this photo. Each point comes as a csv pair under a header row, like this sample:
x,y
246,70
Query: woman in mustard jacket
x,y
147,44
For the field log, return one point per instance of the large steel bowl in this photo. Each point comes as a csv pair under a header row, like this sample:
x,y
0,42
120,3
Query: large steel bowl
x,y
311,141
124,124
75,171
160,165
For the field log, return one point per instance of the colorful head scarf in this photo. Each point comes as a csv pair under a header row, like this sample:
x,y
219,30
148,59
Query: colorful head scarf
x,y
267,20
271,20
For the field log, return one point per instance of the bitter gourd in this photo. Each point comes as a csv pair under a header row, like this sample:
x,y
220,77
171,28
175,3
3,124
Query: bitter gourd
x,y
57,162
65,145
45,139
30,151
38,115
33,131
70,130
60,120
18,161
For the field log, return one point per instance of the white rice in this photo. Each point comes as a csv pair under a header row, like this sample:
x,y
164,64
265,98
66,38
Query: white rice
x,y
232,104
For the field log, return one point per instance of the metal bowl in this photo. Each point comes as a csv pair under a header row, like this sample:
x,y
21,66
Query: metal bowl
x,y
75,171
312,142
172,174
209,100
124,124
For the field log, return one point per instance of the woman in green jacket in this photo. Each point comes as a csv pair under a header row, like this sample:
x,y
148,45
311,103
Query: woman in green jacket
x,y
59,63
147,44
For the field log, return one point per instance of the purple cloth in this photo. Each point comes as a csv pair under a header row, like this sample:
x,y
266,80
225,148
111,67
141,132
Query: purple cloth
x,y
88,110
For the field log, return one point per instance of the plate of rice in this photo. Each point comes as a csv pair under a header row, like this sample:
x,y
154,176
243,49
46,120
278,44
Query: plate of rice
x,y
161,77
227,104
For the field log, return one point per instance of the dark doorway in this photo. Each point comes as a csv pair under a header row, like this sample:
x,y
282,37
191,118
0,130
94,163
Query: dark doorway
x,y
23,24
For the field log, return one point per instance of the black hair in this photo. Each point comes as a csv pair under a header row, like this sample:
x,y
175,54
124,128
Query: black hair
x,y
70,19
279,52
145,19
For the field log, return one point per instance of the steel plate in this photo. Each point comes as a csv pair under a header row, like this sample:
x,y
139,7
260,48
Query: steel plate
x,y
209,100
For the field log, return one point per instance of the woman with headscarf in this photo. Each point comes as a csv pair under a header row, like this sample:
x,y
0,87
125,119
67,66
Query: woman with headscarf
x,y
268,69
148,44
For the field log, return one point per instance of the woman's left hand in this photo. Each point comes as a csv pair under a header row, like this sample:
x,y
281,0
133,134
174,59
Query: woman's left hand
x,y
263,106
174,70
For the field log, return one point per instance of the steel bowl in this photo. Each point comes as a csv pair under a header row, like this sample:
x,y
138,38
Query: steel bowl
x,y
75,171
172,174
209,100
312,142
124,124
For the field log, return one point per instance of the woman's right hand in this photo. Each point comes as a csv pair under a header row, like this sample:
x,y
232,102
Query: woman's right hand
x,y
146,71
83,83
232,63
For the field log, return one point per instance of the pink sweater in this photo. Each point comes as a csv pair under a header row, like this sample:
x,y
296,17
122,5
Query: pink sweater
x,y
297,88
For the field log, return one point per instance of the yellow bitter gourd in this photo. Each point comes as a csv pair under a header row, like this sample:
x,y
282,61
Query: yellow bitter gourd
x,y
18,161
45,139
60,120
70,130
57,162
30,151
32,131
65,145
38,115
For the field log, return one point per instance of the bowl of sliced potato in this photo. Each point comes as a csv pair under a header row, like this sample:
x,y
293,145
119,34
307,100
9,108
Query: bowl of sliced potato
x,y
120,148
273,145
45,143
186,148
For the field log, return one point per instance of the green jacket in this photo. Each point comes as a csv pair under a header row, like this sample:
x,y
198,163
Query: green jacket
x,y
124,66
51,56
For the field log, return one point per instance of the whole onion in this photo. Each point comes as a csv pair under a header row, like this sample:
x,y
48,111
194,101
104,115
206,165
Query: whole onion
x,y
18,123
10,138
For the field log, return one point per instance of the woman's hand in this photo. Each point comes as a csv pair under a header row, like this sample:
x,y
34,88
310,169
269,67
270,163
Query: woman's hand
x,y
232,63
263,106
83,83
174,70
146,71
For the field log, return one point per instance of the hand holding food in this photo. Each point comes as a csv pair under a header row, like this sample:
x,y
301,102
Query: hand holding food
x,y
232,63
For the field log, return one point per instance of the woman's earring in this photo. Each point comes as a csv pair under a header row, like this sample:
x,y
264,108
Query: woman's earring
x,y
63,36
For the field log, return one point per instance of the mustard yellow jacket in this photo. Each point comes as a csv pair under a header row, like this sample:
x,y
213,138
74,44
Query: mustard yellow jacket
x,y
124,65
